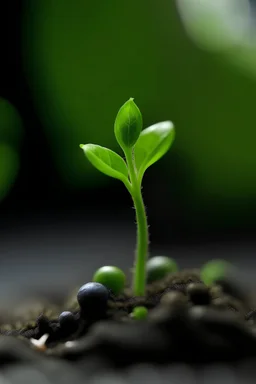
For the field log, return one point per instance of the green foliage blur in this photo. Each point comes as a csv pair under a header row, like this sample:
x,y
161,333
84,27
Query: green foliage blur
x,y
10,140
84,59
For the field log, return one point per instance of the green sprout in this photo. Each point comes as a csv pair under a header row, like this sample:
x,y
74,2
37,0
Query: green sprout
x,y
139,313
141,148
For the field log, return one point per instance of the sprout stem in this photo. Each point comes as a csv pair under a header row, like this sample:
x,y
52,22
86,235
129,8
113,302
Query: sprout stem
x,y
139,277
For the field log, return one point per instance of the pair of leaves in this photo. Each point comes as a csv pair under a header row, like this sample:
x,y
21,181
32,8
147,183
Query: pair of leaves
x,y
151,144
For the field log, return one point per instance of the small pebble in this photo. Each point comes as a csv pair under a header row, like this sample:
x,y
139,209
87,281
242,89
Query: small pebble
x,y
172,298
198,294
92,298
221,302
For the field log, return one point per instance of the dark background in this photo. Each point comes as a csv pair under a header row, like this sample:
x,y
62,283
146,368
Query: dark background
x,y
67,67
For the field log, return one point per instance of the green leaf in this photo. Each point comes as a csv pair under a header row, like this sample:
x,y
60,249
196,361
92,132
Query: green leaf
x,y
128,124
152,144
106,161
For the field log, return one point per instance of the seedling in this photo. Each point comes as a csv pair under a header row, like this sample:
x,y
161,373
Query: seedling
x,y
141,148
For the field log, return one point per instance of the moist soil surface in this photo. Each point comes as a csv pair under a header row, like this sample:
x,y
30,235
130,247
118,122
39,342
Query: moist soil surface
x,y
188,324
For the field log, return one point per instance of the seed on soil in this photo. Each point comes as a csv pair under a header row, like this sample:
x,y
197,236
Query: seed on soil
x,y
67,320
199,294
160,266
112,277
92,298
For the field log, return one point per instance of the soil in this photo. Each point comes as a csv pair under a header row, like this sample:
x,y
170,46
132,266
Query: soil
x,y
188,323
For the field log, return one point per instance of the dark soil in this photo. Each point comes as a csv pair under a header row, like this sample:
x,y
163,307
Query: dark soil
x,y
187,323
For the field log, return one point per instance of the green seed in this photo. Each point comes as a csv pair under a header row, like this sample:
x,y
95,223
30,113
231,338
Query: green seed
x,y
140,313
160,266
214,270
111,277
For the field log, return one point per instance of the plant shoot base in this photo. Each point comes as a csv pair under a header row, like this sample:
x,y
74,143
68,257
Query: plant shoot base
x,y
183,315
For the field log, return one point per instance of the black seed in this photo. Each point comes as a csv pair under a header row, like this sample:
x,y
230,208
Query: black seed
x,y
67,320
93,298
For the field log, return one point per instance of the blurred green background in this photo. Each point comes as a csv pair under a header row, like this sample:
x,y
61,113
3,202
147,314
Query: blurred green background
x,y
79,62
